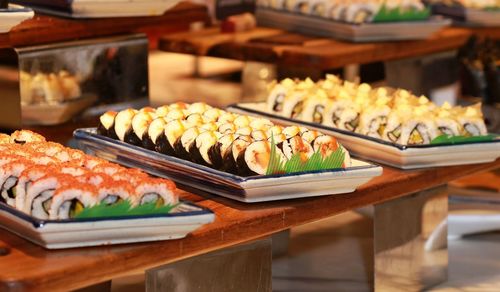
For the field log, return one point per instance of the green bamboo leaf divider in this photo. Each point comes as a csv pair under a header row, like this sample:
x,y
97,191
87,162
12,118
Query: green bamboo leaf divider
x,y
397,14
446,139
123,208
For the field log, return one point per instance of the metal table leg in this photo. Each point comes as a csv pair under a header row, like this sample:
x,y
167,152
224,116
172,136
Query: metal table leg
x,y
245,267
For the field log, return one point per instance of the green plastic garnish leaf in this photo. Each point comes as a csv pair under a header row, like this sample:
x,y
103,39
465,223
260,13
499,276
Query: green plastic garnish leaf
x,y
397,14
446,139
298,164
123,208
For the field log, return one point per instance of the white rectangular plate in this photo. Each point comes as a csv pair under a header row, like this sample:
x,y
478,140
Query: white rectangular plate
x,y
468,17
366,32
13,16
251,189
400,156
54,234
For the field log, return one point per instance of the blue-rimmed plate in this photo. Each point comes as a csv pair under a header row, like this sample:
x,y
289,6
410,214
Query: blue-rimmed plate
x,y
13,16
57,234
400,156
246,189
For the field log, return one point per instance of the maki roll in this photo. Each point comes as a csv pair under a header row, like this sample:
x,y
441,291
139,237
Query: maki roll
x,y
446,123
155,131
157,191
140,125
107,168
162,111
274,130
373,121
68,201
198,108
242,121
25,136
231,156
259,135
175,114
106,125
260,124
255,158
226,118
26,179
9,178
172,133
314,107
185,142
277,94
123,123
217,152
471,120
419,129
227,128
213,114
4,139
296,145
361,12
40,193
199,150
326,145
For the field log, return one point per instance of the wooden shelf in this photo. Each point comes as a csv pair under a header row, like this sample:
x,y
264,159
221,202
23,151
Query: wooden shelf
x,y
44,29
289,49
26,266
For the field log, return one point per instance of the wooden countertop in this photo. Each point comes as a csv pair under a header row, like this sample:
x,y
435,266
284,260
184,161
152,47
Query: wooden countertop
x,y
277,46
44,29
25,266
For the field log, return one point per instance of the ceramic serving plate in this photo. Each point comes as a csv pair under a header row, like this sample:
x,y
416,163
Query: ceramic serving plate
x,y
100,8
13,16
246,189
400,156
59,234
366,32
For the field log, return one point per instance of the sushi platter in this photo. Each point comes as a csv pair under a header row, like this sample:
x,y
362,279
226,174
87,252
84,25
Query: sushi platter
x,y
59,197
226,154
394,128
468,13
367,20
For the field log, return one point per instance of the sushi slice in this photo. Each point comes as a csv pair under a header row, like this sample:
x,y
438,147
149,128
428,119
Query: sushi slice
x,y
361,12
213,114
130,175
277,94
274,130
4,139
123,123
185,142
106,125
9,178
314,107
199,150
226,118
140,125
26,179
227,128
297,145
373,121
173,131
244,131
39,195
471,120
155,130
217,152
231,156
108,168
161,192
326,145
419,129
162,111
25,136
259,135
68,201
175,114
260,124
446,123
198,108
254,160
242,121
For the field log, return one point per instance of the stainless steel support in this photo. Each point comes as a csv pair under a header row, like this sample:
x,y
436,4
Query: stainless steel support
x,y
245,267
405,260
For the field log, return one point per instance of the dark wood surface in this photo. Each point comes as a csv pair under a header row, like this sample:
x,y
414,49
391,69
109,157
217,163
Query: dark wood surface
x,y
25,266
43,29
289,49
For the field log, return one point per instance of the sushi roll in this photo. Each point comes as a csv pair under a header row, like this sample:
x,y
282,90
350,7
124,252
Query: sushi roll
x,y
213,114
211,126
227,128
72,169
320,7
199,150
107,168
326,145
217,152
162,111
9,178
244,131
242,121
90,162
302,6
277,94
161,192
373,121
4,139
123,123
140,125
156,129
185,142
198,108
419,129
297,145
25,136
259,135
260,124
172,132
176,114
471,120
292,131
179,105
231,156
68,201
314,107
310,135
131,175
40,193
226,118
361,12
446,123
274,130
255,158
26,179
106,125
